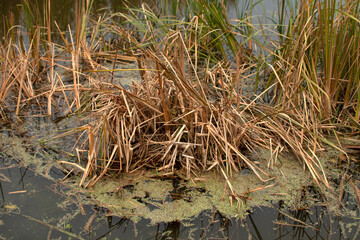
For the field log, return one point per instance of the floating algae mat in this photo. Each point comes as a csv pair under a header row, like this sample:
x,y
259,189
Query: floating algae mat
x,y
41,199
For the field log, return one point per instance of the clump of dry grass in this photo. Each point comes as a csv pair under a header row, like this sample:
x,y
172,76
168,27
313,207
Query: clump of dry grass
x,y
28,66
181,119
18,71
24,80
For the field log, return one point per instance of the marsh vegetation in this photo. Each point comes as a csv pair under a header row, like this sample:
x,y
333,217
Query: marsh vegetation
x,y
207,93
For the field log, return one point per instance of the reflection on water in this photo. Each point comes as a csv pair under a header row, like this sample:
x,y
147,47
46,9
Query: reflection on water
x,y
63,12
33,207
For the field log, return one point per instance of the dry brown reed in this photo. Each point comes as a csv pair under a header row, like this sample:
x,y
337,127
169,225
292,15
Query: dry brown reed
x,y
25,64
180,119
23,78
18,71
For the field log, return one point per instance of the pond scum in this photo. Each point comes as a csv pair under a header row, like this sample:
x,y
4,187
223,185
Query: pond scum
x,y
213,90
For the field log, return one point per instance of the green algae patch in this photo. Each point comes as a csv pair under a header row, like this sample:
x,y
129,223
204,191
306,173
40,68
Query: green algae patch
x,y
19,149
160,201
147,198
143,195
179,210
166,200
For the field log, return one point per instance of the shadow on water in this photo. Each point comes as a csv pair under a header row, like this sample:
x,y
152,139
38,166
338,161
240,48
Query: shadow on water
x,y
34,207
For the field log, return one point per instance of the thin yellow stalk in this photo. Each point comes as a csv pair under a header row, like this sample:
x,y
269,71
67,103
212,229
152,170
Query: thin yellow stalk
x,y
91,156
52,81
75,69
22,79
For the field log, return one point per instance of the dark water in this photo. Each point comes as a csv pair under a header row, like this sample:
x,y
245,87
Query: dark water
x,y
32,207
63,11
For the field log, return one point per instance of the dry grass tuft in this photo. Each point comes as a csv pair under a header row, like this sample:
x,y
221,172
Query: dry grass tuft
x,y
180,118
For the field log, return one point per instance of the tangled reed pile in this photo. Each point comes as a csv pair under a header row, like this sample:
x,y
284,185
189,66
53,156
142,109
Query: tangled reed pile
x,y
180,119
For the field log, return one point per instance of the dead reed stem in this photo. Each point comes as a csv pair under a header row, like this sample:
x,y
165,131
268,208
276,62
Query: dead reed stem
x,y
171,122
